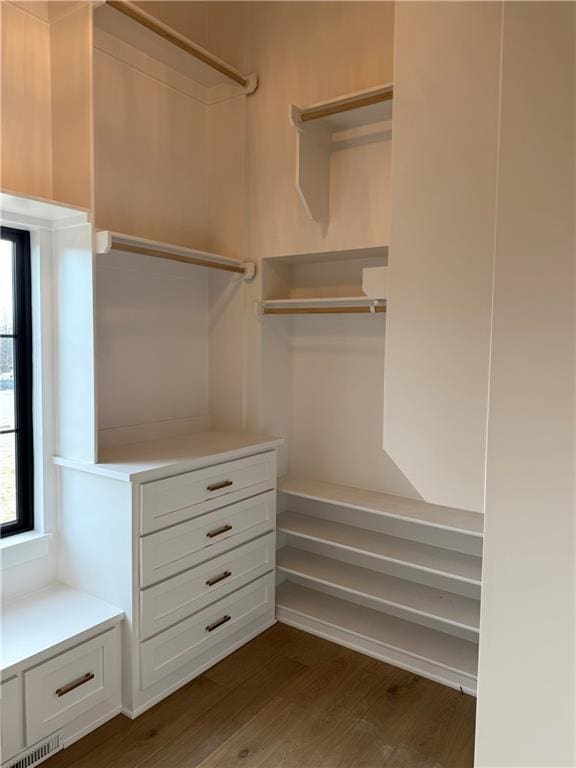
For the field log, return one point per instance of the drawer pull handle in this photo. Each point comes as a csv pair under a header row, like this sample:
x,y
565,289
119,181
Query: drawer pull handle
x,y
216,624
219,531
74,684
216,579
218,486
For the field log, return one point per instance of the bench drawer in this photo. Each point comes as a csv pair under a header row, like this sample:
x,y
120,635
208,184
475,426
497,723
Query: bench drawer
x,y
171,551
169,602
179,645
61,689
175,499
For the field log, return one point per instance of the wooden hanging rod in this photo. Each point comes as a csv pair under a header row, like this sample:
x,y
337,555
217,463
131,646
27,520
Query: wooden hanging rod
x,y
356,102
240,269
145,20
322,310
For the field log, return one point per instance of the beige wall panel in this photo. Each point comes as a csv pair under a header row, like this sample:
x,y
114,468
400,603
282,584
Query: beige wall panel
x,y
442,242
71,58
217,26
26,162
527,678
150,155
306,52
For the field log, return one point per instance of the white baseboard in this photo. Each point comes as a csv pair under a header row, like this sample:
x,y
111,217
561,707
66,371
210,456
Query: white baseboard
x,y
377,650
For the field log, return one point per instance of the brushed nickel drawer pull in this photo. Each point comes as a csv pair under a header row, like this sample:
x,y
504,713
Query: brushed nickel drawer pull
x,y
216,579
219,531
216,624
74,684
218,486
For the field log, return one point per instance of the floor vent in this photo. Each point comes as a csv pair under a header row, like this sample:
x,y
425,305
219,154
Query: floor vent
x,y
38,753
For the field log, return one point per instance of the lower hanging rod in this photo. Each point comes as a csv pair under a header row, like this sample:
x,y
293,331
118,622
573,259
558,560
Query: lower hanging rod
x,y
322,310
197,261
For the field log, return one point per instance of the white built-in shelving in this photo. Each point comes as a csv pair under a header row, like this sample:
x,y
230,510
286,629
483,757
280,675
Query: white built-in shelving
x,y
394,577
437,655
325,282
409,554
381,591
387,505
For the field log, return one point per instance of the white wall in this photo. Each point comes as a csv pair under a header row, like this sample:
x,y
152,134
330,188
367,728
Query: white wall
x,y
335,402
526,712
446,83
152,350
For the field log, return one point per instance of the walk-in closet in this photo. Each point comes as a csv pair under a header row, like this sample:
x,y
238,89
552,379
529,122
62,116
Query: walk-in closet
x,y
282,482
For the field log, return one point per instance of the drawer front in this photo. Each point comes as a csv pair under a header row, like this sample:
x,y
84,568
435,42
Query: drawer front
x,y
175,499
208,628
12,737
169,602
70,684
166,553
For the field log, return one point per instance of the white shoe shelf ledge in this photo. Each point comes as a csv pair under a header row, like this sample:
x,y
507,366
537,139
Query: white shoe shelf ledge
x,y
349,571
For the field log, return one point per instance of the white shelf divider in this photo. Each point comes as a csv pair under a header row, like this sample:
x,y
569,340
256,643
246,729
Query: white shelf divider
x,y
410,554
381,591
387,505
436,655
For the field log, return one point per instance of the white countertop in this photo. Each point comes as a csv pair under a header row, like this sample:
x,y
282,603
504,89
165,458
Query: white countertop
x,y
150,460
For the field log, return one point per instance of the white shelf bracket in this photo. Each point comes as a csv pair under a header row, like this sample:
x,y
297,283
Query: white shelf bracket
x,y
249,270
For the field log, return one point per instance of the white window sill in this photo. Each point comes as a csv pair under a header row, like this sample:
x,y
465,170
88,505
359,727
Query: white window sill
x,y
23,547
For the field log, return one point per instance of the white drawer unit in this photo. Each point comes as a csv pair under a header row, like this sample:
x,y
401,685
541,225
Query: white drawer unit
x,y
11,732
167,603
210,627
175,549
174,499
61,689
170,529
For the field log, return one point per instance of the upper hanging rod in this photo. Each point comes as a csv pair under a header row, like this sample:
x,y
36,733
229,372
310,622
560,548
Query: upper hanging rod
x,y
110,241
143,18
347,103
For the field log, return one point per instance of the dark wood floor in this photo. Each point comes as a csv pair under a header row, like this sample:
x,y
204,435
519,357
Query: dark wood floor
x,y
291,700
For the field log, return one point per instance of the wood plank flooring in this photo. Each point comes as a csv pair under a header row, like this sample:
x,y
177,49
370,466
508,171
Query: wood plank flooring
x,y
290,700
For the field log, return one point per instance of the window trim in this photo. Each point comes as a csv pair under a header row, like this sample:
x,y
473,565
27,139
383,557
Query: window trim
x,y
23,378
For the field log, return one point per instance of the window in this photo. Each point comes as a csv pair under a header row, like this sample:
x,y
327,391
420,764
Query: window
x,y
16,447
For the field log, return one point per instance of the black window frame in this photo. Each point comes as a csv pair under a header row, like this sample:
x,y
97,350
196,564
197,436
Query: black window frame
x,y
23,417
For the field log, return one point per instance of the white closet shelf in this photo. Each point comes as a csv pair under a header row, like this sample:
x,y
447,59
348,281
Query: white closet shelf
x,y
409,554
323,305
377,252
387,505
107,241
437,655
381,590
145,32
372,105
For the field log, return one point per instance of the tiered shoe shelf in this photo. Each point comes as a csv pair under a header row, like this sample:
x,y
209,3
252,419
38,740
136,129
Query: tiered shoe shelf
x,y
396,578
